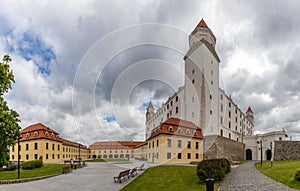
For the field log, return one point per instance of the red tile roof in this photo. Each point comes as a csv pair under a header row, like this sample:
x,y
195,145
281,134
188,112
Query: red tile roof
x,y
249,110
115,145
202,24
37,126
179,127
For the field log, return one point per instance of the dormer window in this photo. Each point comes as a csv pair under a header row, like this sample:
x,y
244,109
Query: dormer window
x,y
195,133
170,129
46,133
57,136
187,131
179,130
36,133
27,135
52,134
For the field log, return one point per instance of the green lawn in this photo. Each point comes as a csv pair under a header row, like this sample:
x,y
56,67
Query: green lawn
x,y
282,171
46,169
167,178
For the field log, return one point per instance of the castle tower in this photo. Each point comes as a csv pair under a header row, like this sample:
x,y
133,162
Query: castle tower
x,y
249,115
150,112
202,80
149,115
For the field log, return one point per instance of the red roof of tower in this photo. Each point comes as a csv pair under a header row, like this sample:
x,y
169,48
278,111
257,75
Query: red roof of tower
x,y
202,24
249,110
150,105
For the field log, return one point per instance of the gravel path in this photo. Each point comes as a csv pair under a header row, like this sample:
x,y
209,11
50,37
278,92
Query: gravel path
x,y
247,178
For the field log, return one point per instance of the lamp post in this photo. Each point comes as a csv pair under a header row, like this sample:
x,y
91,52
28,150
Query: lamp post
x,y
79,151
271,154
260,142
19,156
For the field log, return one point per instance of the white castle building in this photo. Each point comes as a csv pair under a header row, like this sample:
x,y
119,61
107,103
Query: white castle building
x,y
201,100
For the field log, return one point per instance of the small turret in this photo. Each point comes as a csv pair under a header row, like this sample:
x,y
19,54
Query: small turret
x,y
249,115
150,112
202,31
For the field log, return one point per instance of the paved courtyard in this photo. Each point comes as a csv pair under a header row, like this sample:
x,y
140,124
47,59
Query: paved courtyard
x,y
247,178
95,177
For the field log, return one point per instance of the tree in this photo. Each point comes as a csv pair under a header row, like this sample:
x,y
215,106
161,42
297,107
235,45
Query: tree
x,y
9,127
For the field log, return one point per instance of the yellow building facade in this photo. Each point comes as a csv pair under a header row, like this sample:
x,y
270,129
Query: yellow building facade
x,y
175,141
40,141
113,149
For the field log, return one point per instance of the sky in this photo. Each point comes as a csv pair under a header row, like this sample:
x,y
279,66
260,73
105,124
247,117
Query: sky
x,y
88,69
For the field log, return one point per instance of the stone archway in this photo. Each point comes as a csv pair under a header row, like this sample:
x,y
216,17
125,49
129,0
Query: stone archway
x,y
248,154
269,154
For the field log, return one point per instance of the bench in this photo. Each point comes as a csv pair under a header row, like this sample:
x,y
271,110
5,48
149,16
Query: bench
x,y
66,169
142,167
122,174
133,172
67,162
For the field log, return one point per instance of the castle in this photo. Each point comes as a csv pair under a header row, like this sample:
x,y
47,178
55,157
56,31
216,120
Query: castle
x,y
201,100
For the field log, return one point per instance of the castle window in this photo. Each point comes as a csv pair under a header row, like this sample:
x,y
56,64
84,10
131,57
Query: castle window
x,y
35,146
229,124
168,106
171,103
168,155
229,135
179,131
52,134
221,119
188,144
27,135
170,129
210,96
36,133
197,145
221,132
221,96
211,62
236,119
193,81
27,147
157,143
179,143
47,146
221,107
176,110
195,133
187,132
197,155
176,98
211,82
229,104
168,115
169,143
229,114
192,114
235,128
193,99
179,156
193,71
211,112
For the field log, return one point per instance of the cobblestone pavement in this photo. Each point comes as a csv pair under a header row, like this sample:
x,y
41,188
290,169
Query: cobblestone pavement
x,y
247,178
94,177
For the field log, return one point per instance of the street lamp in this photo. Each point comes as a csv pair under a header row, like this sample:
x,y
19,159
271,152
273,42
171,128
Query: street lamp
x,y
260,142
271,154
19,156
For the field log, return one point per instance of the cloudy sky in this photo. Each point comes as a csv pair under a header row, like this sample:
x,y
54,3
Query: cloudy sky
x,y
88,69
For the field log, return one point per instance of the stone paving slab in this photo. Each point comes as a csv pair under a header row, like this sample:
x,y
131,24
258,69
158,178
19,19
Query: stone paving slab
x,y
247,178
95,176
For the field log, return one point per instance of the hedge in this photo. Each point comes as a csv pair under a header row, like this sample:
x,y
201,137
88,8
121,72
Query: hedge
x,y
29,165
214,168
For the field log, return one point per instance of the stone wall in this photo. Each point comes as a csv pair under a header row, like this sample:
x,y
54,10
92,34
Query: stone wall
x,y
287,150
220,147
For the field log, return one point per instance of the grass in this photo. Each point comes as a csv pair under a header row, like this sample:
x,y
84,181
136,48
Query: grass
x,y
167,178
46,169
282,171
243,161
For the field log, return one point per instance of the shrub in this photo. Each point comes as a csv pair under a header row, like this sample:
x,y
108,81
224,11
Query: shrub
x,y
11,167
29,165
297,176
214,168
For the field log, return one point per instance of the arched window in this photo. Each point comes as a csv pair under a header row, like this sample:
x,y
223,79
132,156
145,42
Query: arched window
x,y
36,133
27,135
170,129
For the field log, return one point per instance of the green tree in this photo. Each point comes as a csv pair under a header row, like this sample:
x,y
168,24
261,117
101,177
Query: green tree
x,y
9,127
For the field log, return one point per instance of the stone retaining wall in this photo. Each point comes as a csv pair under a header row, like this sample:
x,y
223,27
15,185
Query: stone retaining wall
x,y
26,179
220,147
287,150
